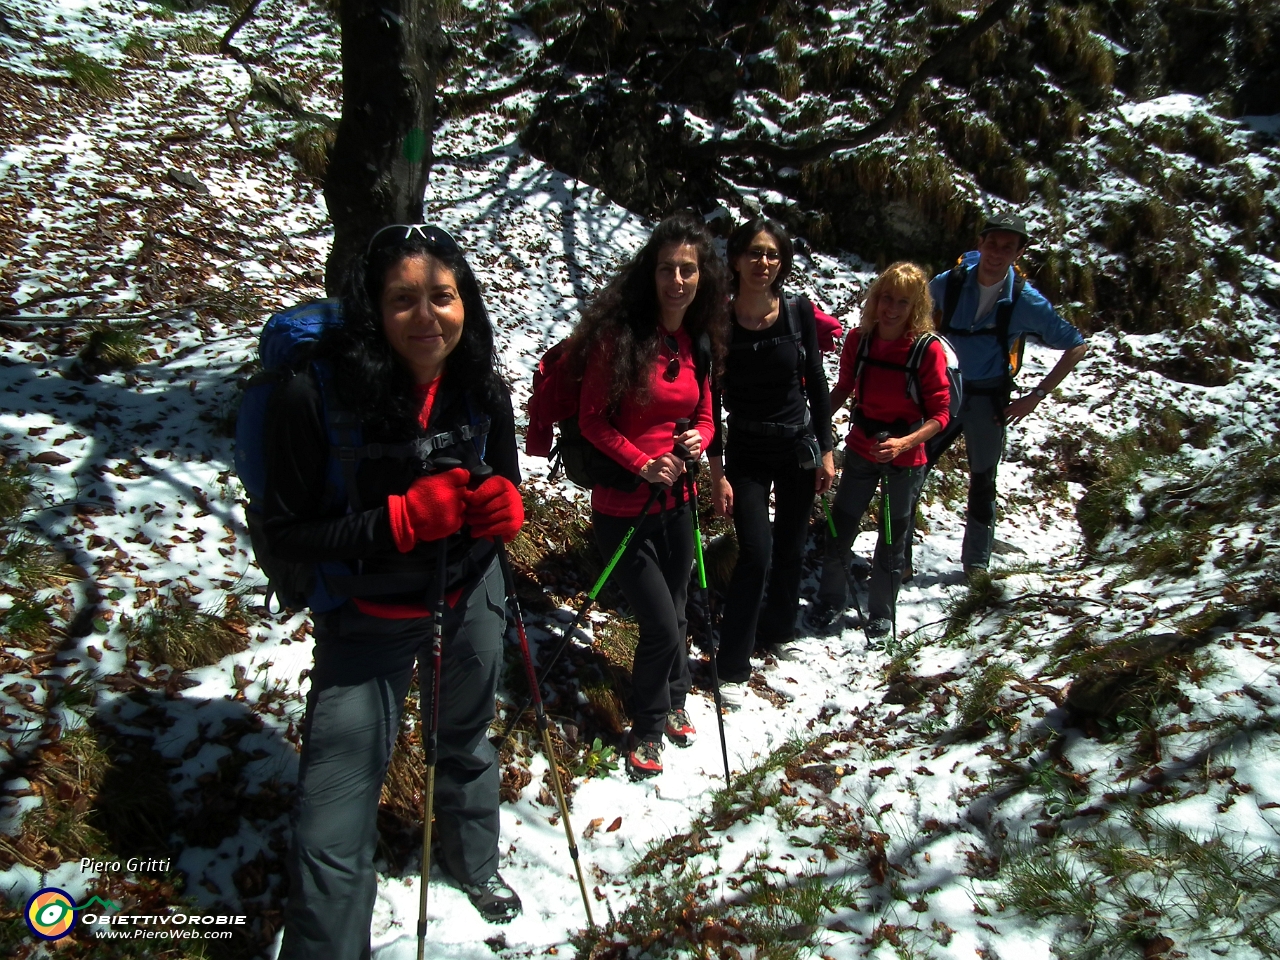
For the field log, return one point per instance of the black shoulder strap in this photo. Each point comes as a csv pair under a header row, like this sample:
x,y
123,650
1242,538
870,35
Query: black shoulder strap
x,y
702,356
791,304
1004,313
951,298
860,363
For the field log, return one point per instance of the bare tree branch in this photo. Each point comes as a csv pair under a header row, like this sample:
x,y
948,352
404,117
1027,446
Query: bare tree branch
x,y
245,16
262,87
780,153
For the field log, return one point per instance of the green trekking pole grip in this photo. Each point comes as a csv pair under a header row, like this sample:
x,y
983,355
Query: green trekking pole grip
x,y
831,523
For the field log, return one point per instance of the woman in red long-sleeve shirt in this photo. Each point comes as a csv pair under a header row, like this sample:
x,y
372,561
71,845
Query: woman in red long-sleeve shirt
x,y
897,311
645,346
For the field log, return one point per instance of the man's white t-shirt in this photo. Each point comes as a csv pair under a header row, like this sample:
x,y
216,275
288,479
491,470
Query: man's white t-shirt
x,y
987,297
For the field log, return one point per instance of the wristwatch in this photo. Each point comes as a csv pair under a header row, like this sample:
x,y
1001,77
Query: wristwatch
x,y
1038,392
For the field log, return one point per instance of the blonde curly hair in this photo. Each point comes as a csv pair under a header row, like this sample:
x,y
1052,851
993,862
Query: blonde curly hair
x,y
904,279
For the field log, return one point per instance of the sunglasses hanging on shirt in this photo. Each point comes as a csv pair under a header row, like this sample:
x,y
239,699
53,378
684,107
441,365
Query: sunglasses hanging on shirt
x,y
673,364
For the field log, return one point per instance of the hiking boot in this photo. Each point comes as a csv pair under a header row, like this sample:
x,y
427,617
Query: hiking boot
x,y
788,652
733,694
644,759
908,573
877,629
494,900
973,571
680,730
821,617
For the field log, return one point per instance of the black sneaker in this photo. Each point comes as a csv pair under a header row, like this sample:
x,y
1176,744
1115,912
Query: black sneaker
x,y
495,901
644,759
820,617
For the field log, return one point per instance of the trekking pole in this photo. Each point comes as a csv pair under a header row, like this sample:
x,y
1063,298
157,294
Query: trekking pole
x,y
831,524
654,493
887,529
430,741
544,725
713,645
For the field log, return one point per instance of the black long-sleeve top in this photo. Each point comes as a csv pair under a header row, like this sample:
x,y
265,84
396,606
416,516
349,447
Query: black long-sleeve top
x,y
302,524
765,386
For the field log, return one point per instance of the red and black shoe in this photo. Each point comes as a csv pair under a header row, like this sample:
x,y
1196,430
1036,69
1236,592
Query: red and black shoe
x,y
680,730
644,759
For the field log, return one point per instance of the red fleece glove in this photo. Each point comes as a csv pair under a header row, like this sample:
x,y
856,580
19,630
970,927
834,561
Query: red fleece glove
x,y
494,509
431,509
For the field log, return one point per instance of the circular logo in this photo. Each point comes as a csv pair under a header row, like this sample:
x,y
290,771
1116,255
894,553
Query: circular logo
x,y
51,913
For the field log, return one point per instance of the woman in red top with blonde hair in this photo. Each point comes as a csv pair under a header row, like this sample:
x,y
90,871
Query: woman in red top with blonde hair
x,y
645,346
897,311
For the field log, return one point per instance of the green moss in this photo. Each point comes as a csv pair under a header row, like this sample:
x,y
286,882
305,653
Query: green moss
x,y
310,146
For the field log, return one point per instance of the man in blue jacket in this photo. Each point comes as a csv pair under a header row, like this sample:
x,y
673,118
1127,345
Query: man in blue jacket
x,y
985,309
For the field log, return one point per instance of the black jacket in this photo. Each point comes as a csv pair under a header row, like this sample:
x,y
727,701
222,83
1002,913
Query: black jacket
x,y
303,524
765,385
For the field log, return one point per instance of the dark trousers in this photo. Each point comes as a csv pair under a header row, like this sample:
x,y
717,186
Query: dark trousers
x,y
363,666
753,618
654,577
981,421
859,482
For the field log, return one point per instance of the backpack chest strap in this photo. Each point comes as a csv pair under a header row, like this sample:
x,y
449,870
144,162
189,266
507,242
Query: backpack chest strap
x,y
419,449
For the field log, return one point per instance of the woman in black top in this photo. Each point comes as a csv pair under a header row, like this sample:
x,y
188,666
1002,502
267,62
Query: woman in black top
x,y
413,359
779,438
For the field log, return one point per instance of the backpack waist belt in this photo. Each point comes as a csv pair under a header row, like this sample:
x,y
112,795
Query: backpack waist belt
x,y
896,428
988,387
764,428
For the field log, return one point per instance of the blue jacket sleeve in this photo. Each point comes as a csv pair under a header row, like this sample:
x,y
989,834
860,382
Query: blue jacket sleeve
x,y
1035,315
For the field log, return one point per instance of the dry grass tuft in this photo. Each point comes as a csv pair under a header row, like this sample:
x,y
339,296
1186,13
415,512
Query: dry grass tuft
x,y
175,631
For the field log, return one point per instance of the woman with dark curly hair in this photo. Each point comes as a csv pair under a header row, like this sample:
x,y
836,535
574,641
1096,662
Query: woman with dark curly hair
x,y
779,440
645,347
413,364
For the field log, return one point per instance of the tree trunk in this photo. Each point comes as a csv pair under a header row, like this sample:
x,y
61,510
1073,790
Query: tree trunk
x,y
381,159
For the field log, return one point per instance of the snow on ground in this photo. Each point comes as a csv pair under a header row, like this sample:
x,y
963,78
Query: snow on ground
x,y
143,495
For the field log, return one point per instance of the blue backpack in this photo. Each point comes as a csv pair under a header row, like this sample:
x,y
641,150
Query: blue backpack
x,y
280,347
325,585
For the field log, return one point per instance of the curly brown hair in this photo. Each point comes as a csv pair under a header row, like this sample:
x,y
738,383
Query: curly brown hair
x,y
910,280
623,318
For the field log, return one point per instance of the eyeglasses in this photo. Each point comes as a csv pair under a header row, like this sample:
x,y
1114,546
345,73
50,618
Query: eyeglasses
x,y
761,255
437,240
673,365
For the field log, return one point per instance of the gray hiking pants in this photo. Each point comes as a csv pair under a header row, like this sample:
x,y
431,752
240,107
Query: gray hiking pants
x,y
363,666
859,483
984,433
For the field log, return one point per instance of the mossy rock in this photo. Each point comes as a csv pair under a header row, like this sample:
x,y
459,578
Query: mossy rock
x,y
1128,676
